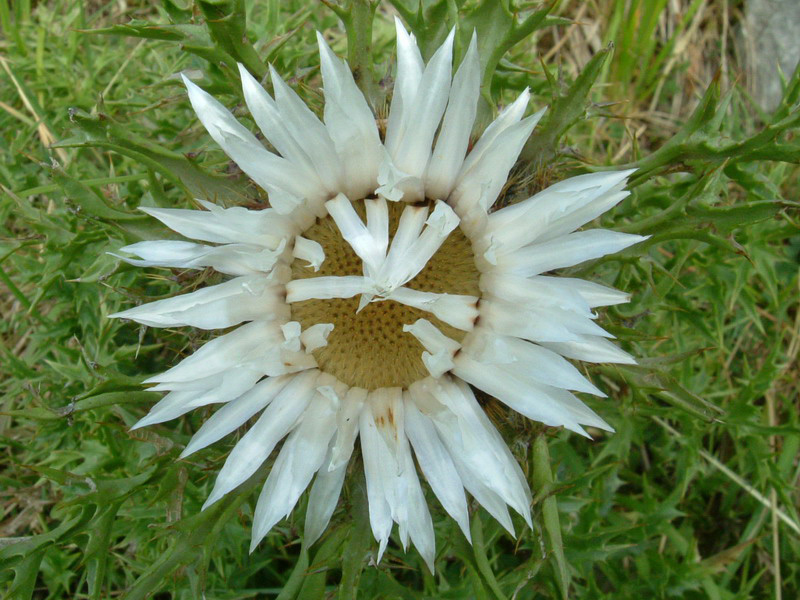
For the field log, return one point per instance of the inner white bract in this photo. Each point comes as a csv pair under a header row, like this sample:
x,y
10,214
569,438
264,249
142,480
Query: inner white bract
x,y
406,262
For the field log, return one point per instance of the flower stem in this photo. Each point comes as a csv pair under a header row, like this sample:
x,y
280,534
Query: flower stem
x,y
357,16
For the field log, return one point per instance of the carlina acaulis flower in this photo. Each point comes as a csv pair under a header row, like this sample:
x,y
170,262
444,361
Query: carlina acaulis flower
x,y
377,291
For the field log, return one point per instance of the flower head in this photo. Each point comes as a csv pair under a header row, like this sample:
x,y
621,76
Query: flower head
x,y
377,291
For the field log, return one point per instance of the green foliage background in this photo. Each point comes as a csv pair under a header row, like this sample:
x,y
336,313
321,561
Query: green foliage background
x,y
694,496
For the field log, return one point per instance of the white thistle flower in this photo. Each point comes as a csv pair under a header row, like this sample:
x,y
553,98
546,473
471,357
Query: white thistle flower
x,y
377,291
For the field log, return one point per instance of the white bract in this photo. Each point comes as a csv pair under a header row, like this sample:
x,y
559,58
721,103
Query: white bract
x,y
393,203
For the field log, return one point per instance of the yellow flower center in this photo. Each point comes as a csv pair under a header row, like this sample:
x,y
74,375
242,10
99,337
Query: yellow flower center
x,y
369,349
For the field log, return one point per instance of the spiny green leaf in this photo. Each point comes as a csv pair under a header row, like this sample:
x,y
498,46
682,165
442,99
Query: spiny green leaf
x,y
226,22
566,108
356,550
101,131
543,484
481,560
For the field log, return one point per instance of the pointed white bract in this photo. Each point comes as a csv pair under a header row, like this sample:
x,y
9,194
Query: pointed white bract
x,y
231,259
421,117
486,150
272,124
515,338
453,139
409,75
480,182
259,441
263,228
472,439
322,499
351,125
235,413
266,169
300,457
310,133
436,464
393,489
216,307
566,251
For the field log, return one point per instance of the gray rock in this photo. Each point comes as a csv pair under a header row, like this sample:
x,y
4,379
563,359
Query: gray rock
x,y
771,39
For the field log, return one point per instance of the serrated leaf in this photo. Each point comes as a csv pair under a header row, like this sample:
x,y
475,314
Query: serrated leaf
x,y
147,30
101,268
87,201
479,552
97,549
25,575
30,545
198,530
101,131
115,398
726,219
